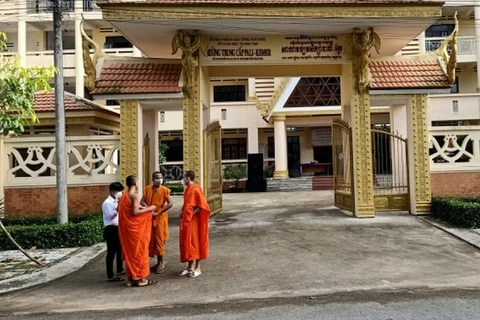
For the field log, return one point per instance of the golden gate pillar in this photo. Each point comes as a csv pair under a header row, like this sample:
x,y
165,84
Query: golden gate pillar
x,y
131,140
419,159
191,44
360,43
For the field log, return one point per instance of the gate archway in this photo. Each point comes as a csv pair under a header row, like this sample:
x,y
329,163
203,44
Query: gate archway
x,y
390,171
342,165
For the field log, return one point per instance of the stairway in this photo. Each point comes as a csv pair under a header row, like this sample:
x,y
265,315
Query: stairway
x,y
322,183
291,184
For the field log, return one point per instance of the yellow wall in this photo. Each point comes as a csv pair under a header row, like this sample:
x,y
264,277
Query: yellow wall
x,y
467,79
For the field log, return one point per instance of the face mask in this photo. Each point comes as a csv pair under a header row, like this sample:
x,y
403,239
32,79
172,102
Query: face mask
x,y
183,182
118,195
157,182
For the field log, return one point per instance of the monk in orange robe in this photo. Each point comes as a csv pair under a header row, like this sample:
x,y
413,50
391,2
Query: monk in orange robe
x,y
193,227
135,229
159,196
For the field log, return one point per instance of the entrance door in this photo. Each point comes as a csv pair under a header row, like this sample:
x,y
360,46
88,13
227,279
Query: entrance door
x,y
212,173
342,165
293,150
390,171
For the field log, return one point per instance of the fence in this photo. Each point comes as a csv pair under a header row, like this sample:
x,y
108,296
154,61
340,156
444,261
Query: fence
x,y
30,161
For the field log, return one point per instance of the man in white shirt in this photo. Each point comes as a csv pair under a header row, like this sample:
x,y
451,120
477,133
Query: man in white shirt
x,y
110,232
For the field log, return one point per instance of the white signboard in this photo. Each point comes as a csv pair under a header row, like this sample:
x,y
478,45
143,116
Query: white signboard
x,y
322,136
273,49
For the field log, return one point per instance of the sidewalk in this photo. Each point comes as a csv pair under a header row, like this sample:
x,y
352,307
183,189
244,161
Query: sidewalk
x,y
267,245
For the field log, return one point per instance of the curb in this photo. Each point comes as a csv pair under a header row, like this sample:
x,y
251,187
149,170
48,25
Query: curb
x,y
72,263
470,236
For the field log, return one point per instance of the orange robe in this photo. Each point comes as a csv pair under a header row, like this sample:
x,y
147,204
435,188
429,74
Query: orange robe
x,y
134,232
194,227
160,222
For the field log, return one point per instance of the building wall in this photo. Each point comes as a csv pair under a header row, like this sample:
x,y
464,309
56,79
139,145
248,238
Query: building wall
x,y
81,200
467,79
455,184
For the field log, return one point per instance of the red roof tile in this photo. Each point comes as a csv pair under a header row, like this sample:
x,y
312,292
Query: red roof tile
x,y
407,74
270,2
133,76
45,102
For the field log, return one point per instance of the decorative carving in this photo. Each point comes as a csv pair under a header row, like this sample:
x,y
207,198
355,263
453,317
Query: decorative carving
x,y
128,138
421,159
190,43
89,160
266,109
450,60
188,12
359,44
363,174
90,64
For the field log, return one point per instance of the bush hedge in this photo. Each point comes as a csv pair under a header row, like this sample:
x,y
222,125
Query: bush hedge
x,y
175,187
44,233
461,212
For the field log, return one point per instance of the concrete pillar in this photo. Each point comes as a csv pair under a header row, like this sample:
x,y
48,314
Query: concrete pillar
x,y
22,32
421,43
252,139
137,52
398,123
477,43
131,141
79,72
150,126
418,145
281,156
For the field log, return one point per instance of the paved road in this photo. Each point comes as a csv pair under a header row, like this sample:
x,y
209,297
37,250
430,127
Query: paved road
x,y
273,246
377,305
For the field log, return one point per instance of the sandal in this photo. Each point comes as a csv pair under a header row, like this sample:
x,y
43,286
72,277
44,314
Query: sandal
x,y
115,279
184,272
149,283
134,283
194,273
160,269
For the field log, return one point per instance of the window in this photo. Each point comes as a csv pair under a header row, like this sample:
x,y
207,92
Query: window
x,y
271,147
113,103
229,93
455,86
175,150
234,148
117,42
312,92
439,30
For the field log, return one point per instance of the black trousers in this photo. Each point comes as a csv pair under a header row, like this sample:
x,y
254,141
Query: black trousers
x,y
114,250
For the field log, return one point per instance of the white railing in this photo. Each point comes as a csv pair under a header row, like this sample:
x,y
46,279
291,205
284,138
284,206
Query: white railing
x,y
30,161
466,45
455,148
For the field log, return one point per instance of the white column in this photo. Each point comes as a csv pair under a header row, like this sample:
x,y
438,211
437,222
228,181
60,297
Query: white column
x,y
421,42
253,139
79,72
137,52
281,157
22,32
477,43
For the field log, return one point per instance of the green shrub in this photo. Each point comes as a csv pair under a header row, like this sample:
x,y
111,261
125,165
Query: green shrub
x,y
44,233
235,172
175,187
461,212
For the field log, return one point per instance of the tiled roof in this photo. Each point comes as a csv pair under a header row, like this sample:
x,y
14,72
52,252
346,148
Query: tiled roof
x,y
133,76
273,2
45,102
407,74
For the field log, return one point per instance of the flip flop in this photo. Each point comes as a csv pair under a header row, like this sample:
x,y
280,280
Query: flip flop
x,y
149,283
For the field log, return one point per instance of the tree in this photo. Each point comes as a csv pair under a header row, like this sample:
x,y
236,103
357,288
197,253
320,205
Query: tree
x,y
18,85
235,172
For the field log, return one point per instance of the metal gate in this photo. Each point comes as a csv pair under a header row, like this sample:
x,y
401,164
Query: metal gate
x,y
342,165
212,173
390,171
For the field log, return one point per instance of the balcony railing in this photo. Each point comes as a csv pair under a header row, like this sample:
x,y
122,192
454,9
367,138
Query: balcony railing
x,y
42,6
466,45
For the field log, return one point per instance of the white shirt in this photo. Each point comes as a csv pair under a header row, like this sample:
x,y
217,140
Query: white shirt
x,y
110,214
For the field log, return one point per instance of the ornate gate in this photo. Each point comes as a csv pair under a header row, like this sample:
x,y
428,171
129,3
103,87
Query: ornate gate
x,y
342,165
390,171
212,173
